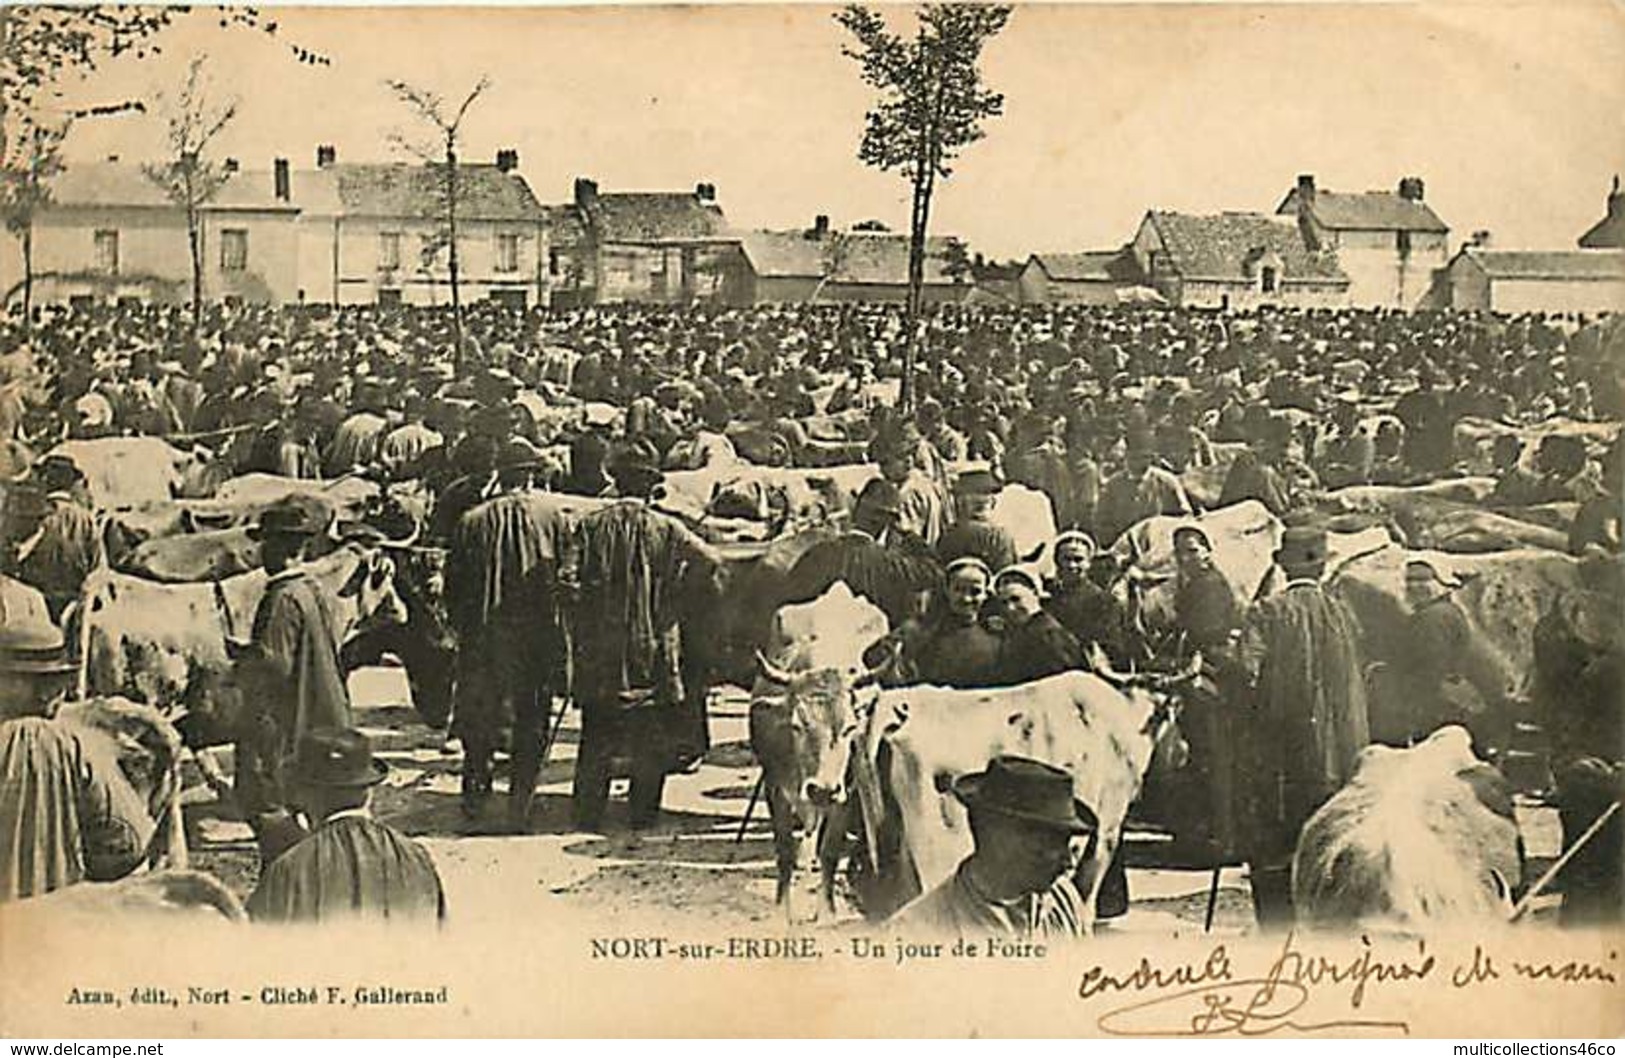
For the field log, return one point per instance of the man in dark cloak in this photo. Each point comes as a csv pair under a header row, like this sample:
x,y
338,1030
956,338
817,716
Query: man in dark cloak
x,y
641,573
67,546
502,598
1300,653
289,671
350,866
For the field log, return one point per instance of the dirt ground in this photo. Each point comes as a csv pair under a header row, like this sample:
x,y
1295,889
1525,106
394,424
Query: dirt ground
x,y
697,867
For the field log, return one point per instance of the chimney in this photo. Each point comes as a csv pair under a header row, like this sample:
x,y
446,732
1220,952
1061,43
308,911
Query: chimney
x,y
705,192
1410,188
1306,188
821,225
232,165
112,159
1616,199
326,156
1480,239
507,160
279,177
586,192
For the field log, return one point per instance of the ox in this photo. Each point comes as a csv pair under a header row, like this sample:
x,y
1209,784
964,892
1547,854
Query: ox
x,y
167,895
1103,729
1418,838
167,644
803,721
125,472
133,753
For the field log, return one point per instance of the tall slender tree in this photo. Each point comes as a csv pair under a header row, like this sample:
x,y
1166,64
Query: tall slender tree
x,y
447,122
933,104
189,177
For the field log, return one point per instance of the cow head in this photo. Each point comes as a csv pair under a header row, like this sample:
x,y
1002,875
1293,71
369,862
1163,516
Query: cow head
x,y
826,709
371,593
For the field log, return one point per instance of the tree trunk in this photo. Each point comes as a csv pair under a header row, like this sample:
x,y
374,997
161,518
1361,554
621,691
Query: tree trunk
x,y
451,227
28,278
197,270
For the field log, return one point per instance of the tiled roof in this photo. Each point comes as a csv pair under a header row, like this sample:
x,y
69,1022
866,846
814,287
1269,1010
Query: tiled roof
x,y
1218,246
1367,211
1549,264
565,225
1090,266
1609,232
658,216
408,190
882,259
785,254
869,259
127,185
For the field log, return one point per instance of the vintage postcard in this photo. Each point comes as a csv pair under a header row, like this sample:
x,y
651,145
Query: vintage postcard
x,y
1092,520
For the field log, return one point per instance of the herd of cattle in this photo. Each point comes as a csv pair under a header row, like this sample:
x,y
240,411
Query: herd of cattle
x,y
156,623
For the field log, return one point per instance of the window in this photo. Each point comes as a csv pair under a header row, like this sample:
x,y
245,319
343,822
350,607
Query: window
x,y
1267,279
107,252
554,262
389,298
389,250
507,252
233,249
1403,241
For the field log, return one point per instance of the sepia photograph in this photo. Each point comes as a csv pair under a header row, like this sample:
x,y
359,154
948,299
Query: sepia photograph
x,y
957,519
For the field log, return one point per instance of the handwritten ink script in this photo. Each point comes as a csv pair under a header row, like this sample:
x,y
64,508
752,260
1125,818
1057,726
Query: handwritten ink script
x,y
1212,997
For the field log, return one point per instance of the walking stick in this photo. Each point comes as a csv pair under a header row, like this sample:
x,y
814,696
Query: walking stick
x,y
1212,901
552,733
755,795
1562,861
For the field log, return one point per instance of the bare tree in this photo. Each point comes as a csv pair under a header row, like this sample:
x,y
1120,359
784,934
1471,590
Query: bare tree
x,y
189,178
44,46
432,108
932,105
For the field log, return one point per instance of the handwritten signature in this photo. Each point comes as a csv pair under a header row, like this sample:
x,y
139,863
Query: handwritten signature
x,y
1253,1007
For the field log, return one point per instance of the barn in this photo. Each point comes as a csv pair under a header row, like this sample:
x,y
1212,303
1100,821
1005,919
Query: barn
x,y
1515,281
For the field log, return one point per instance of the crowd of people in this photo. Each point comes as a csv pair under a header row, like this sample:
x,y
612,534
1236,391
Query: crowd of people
x,y
1107,412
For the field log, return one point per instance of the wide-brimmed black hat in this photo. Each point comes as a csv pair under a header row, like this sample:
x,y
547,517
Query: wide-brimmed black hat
x,y
1028,790
293,516
881,496
339,757
977,483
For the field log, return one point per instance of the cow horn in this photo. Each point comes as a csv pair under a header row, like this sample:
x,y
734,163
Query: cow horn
x,y
772,671
1101,666
878,672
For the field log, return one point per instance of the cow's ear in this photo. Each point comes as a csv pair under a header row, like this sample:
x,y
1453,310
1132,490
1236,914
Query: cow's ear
x,y
1503,890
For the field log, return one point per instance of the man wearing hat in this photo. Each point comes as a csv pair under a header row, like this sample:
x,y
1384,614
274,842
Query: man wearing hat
x,y
641,575
973,532
878,561
67,544
64,815
919,500
1140,490
289,671
355,442
1299,651
1446,673
350,866
503,601
1024,821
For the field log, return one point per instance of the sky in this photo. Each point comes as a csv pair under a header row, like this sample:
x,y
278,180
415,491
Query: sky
x,y
1513,114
